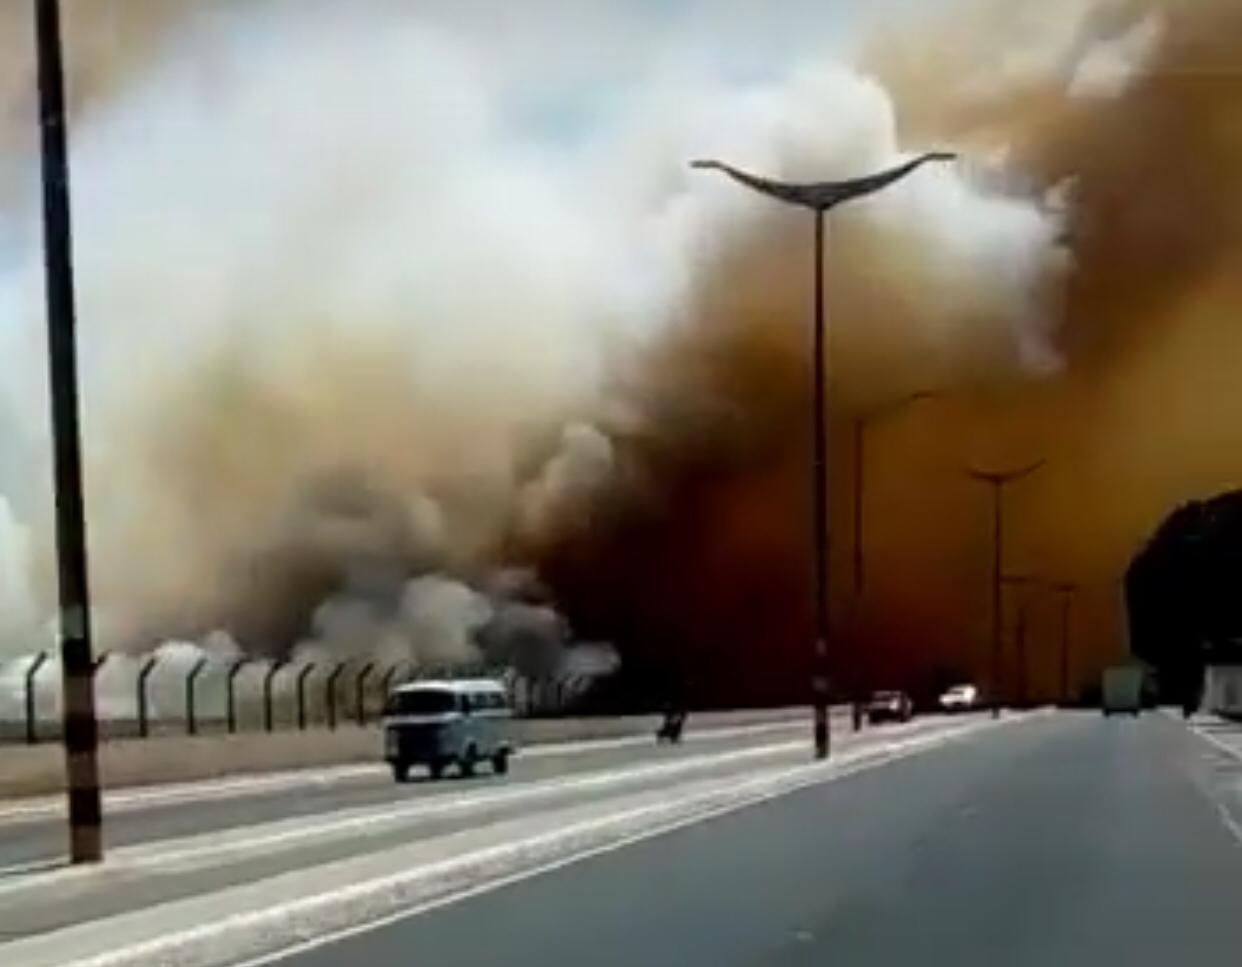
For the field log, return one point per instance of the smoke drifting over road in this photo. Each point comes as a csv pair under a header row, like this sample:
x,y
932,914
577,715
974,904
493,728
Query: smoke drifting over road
x,y
362,326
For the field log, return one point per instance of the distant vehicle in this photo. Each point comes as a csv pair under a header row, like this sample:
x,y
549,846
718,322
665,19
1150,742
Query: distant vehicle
x,y
889,706
959,698
1122,690
441,723
1222,690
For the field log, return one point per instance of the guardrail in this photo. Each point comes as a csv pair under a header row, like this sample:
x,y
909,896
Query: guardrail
x,y
291,695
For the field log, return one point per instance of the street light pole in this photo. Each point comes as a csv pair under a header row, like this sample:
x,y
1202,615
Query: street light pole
x,y
1021,665
1066,591
820,198
862,422
998,480
81,731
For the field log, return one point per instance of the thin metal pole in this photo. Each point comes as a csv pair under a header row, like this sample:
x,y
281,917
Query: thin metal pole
x,y
819,501
32,671
302,695
191,720
1020,653
329,695
143,674
360,695
856,717
1066,591
386,681
231,693
997,481
81,731
998,538
860,427
272,669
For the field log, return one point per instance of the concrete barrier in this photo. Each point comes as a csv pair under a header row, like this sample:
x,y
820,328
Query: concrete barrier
x,y
39,770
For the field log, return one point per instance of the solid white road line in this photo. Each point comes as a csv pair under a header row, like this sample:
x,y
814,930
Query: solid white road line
x,y
132,798
326,914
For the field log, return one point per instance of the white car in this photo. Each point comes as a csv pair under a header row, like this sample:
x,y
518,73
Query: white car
x,y
959,698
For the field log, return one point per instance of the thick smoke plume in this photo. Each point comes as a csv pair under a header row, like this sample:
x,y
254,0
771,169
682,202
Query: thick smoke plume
x,y
1116,122
362,325
334,309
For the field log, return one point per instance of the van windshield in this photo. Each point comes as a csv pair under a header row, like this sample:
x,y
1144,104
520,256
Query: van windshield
x,y
423,702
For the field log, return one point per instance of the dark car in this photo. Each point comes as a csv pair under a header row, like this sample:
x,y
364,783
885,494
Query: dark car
x,y
889,706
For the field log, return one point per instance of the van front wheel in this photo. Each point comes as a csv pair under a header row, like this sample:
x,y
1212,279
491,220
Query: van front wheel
x,y
467,761
500,762
400,772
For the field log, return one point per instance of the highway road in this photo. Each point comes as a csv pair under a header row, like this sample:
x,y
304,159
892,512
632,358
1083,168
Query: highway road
x,y
36,837
1052,838
1069,840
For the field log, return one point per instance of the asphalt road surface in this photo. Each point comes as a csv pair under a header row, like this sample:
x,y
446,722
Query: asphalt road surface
x,y
41,839
1065,840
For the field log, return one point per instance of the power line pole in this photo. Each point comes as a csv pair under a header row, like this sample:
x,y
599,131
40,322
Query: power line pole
x,y
1066,592
998,480
81,731
820,198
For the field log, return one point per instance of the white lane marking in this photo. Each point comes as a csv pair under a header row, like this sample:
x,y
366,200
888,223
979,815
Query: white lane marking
x,y
138,798
1222,810
1218,743
1230,823
293,831
218,848
318,913
294,918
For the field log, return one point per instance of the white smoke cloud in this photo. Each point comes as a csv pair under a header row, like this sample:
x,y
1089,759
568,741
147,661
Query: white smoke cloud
x,y
1108,66
561,495
310,240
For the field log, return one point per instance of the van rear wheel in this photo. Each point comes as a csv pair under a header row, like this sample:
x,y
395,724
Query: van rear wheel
x,y
500,762
400,772
435,768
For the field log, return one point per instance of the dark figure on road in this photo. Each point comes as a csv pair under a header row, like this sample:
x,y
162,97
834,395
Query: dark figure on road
x,y
675,704
674,722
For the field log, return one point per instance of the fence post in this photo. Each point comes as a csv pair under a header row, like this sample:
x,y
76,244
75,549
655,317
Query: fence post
x,y
32,670
95,666
329,694
360,694
302,695
386,681
191,721
143,674
231,695
267,692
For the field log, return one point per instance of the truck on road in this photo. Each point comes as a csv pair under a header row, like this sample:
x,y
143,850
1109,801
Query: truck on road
x,y
1122,690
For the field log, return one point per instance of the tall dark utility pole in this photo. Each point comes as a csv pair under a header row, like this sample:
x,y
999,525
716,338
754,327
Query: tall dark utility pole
x,y
863,422
998,480
1022,582
820,198
1066,592
81,735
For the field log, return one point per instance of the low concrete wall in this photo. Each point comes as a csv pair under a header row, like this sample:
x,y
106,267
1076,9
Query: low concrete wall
x,y
36,770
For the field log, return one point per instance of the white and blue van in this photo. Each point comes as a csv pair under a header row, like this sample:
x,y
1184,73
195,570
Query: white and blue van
x,y
441,723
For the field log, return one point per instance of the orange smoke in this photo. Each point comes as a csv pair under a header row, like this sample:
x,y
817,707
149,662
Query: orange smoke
x,y
1131,116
